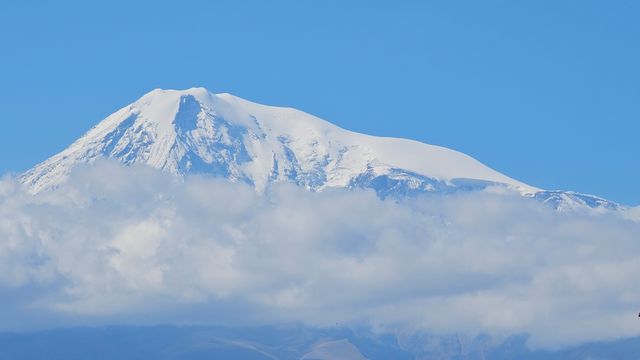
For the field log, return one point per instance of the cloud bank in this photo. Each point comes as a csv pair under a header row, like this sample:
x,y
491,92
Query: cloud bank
x,y
132,243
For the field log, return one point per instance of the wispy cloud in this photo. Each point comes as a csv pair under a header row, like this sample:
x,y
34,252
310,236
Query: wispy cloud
x,y
132,241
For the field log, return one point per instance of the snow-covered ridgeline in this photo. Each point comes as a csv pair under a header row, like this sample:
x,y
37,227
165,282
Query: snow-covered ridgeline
x,y
196,131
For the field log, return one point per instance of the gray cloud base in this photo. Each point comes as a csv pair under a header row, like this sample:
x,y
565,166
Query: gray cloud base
x,y
131,244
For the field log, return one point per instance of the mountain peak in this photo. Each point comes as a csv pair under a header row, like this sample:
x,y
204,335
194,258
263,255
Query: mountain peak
x,y
196,90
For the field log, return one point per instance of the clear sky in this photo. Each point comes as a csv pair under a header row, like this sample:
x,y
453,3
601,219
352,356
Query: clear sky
x,y
544,91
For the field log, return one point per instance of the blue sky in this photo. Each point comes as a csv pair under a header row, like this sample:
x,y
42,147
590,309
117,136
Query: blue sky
x,y
544,91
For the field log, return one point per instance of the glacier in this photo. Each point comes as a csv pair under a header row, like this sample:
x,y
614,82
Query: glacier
x,y
194,131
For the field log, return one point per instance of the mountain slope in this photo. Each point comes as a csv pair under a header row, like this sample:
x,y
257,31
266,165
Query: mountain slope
x,y
285,342
195,131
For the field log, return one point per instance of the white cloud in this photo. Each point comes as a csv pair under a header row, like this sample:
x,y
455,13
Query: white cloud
x,y
124,242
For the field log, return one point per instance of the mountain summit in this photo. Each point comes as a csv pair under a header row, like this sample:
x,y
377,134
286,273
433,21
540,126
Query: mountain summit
x,y
196,131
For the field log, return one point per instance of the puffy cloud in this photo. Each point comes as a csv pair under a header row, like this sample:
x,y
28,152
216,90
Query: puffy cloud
x,y
132,243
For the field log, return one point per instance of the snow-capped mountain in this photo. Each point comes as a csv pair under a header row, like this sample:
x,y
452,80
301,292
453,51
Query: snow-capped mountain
x,y
195,131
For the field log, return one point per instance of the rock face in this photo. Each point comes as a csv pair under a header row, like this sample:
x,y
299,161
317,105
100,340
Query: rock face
x,y
195,131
